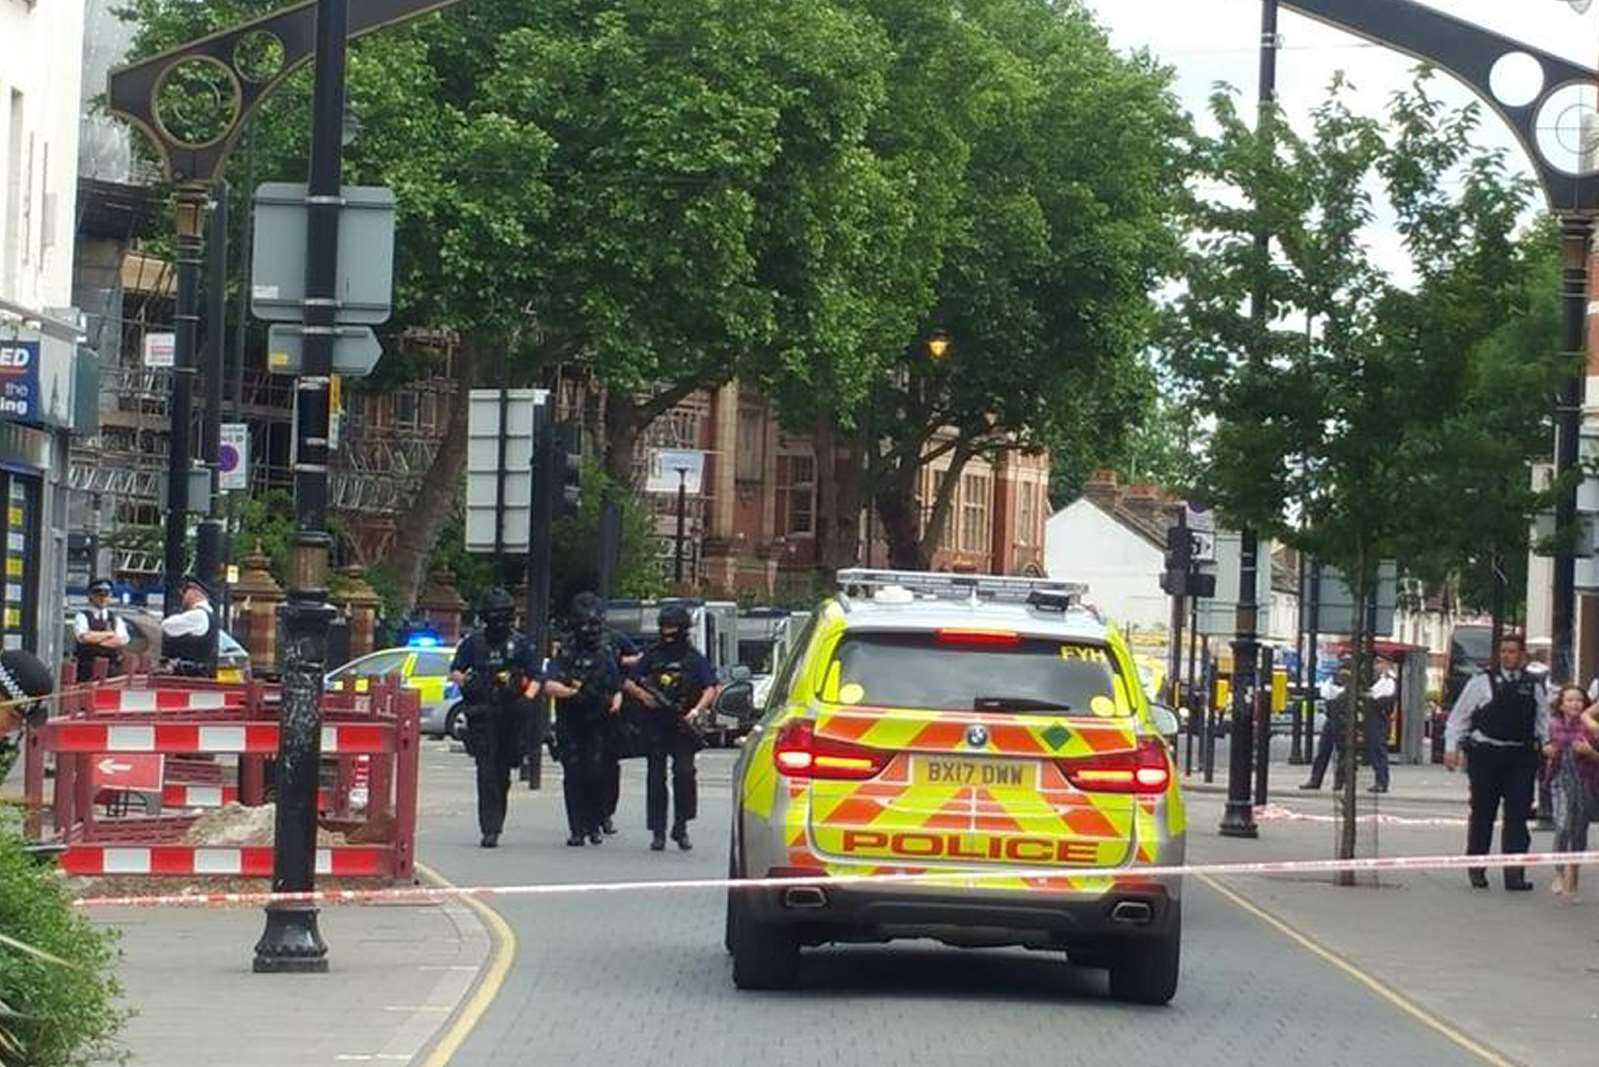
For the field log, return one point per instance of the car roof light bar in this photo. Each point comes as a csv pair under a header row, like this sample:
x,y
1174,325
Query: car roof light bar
x,y
945,586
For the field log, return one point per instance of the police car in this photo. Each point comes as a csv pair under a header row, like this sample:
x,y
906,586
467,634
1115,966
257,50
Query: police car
x,y
424,665
988,731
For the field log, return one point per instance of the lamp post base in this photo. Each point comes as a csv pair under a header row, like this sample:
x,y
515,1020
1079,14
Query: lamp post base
x,y
291,943
1238,821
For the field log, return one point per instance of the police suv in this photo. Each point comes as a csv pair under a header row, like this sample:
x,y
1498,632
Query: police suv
x,y
986,735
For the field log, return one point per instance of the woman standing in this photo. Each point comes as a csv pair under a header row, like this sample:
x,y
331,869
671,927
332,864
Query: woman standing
x,y
1573,780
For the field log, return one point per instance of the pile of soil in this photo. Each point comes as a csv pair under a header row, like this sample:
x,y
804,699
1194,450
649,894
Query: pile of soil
x,y
235,824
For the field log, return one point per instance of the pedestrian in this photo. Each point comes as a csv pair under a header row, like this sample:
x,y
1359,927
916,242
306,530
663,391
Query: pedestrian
x,y
1378,707
1499,723
1336,699
497,674
98,634
675,683
1573,781
586,683
189,636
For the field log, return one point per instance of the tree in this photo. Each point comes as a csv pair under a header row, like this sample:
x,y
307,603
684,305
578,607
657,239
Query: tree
x,y
1341,407
1051,165
623,184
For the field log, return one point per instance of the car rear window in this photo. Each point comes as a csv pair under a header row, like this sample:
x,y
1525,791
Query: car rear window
x,y
964,673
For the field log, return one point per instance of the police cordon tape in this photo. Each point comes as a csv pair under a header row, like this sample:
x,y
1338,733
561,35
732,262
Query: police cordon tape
x,y
1278,813
965,878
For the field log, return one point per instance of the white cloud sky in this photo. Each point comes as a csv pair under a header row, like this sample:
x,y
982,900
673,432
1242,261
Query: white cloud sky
x,y
1210,41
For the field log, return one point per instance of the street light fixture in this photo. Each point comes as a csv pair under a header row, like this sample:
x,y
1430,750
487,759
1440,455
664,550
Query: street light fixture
x,y
939,344
1579,6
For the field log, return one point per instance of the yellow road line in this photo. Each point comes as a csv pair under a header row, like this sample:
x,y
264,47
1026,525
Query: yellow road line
x,y
488,986
1371,982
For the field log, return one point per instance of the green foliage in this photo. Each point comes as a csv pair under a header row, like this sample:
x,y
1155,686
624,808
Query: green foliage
x,y
58,998
266,520
574,555
1354,418
474,575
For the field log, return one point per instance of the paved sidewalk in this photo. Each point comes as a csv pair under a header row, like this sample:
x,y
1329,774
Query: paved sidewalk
x,y
397,973
1410,783
1518,972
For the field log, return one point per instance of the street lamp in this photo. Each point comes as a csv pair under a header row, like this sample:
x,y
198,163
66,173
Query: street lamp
x,y
682,510
1579,6
939,344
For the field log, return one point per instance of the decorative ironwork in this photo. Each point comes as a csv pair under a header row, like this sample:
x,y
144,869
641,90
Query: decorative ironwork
x,y
248,61
1548,102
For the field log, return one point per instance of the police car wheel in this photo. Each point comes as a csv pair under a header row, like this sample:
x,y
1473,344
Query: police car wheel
x,y
727,928
765,955
1144,970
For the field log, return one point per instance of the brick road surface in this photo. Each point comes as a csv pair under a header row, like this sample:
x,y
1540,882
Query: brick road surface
x,y
626,977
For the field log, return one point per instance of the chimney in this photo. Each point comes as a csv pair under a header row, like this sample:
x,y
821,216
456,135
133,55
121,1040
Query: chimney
x,y
1101,489
1143,501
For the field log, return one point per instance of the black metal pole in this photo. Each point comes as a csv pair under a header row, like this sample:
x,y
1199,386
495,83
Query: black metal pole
x,y
1296,750
682,508
500,567
1239,818
1195,706
538,578
1174,655
291,941
1577,239
1312,658
241,318
1208,742
1263,712
191,204
208,541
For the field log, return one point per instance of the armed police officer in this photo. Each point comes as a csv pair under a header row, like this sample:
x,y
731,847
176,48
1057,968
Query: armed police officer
x,y
586,682
1500,722
98,634
618,738
676,685
498,673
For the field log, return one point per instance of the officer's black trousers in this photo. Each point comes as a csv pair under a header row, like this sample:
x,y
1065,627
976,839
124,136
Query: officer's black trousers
x,y
583,769
1330,742
494,737
1500,774
676,743
1376,731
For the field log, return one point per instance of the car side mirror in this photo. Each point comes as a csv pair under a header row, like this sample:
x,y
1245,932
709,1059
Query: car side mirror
x,y
1165,720
739,673
737,700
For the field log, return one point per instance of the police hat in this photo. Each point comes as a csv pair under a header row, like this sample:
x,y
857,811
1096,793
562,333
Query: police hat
x,y
496,603
100,585
587,607
674,617
196,582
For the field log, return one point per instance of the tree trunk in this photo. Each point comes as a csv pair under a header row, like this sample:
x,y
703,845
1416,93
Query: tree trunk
x,y
1348,759
621,436
838,501
418,533
896,506
944,501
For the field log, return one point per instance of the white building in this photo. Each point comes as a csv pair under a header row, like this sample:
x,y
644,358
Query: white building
x,y
47,383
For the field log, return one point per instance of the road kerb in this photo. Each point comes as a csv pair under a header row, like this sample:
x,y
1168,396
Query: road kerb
x,y
466,1017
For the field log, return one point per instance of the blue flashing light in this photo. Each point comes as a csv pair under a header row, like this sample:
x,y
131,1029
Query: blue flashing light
x,y
422,641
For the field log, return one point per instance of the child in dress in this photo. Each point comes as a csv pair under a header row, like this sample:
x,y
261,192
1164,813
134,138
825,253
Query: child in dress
x,y
1573,781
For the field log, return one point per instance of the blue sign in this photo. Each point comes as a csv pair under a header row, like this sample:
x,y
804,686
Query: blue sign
x,y
19,381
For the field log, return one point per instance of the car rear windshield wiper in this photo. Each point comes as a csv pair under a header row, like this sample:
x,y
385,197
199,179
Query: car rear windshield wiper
x,y
1022,703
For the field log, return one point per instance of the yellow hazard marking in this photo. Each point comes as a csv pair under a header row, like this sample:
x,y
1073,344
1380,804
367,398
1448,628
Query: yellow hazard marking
x,y
489,983
851,693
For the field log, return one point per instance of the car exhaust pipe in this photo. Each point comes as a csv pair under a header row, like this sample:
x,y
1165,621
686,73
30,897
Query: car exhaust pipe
x,y
804,896
1133,912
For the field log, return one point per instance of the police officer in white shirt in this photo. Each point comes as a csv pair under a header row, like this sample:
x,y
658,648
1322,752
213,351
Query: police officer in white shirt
x,y
189,637
1379,706
98,634
1501,721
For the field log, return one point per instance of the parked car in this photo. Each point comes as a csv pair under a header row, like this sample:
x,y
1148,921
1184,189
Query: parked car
x,y
425,669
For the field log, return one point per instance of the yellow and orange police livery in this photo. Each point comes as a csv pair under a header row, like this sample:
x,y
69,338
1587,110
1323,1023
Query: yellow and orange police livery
x,y
988,731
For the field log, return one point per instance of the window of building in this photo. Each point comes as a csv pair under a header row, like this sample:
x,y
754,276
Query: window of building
x,y
796,495
428,411
405,410
1026,511
975,533
750,455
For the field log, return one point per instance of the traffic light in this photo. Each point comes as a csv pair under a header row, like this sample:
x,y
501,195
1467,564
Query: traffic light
x,y
568,469
1179,561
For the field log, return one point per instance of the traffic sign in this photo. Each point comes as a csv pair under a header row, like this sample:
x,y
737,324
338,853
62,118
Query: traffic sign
x,y
355,350
133,773
160,349
233,457
484,475
670,467
365,284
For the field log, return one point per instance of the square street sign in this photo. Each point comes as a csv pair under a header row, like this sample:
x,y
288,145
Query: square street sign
x,y
366,253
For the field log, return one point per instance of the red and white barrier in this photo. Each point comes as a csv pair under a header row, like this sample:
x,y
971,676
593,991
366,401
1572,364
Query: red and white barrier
x,y
182,795
248,861
108,699
259,738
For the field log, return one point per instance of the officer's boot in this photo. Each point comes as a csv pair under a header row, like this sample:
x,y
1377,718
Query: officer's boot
x,y
658,842
680,835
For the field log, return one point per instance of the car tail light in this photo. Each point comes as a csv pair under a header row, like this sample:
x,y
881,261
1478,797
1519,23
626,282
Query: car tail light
x,y
799,753
959,636
1143,770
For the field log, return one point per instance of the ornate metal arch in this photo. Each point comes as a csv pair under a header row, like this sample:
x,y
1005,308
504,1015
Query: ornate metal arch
x,y
132,89
1470,53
